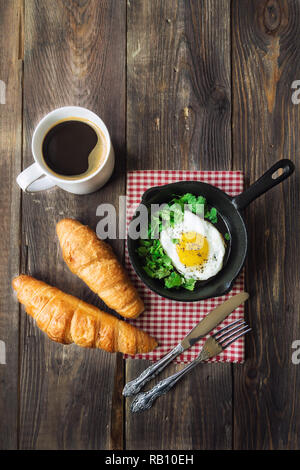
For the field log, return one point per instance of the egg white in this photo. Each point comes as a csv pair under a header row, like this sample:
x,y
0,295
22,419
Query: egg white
x,y
193,223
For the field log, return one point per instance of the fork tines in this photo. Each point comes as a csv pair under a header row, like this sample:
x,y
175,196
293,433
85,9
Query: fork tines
x,y
231,332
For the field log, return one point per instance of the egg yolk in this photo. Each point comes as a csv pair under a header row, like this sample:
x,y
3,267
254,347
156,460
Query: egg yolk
x,y
192,249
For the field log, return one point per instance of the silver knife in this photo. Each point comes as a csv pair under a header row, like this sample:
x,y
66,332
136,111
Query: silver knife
x,y
206,325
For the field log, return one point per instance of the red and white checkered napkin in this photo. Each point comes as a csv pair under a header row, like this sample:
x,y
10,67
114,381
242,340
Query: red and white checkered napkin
x,y
170,321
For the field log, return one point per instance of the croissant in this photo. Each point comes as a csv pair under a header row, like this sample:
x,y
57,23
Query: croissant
x,y
66,319
95,263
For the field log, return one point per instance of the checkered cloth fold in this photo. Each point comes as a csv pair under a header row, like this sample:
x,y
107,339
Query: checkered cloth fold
x,y
169,321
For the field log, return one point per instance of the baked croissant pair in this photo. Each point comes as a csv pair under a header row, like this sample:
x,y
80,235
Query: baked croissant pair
x,y
66,319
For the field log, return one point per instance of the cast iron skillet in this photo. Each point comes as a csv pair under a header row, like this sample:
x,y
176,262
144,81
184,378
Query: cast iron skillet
x,y
229,220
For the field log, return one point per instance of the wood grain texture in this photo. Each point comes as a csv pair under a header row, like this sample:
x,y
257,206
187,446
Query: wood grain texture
x,y
74,55
189,64
10,165
266,60
178,117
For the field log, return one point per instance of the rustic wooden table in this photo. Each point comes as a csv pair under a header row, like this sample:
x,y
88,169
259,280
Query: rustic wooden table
x,y
189,84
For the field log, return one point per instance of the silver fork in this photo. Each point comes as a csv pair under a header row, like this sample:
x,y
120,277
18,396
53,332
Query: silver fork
x,y
213,346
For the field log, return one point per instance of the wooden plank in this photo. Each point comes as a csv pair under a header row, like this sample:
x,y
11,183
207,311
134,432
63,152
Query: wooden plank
x,y
178,117
266,60
10,165
74,54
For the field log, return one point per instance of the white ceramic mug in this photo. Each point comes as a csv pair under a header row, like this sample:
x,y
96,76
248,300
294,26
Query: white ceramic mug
x,y
37,176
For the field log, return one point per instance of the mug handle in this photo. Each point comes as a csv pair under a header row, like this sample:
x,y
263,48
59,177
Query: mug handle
x,y
33,179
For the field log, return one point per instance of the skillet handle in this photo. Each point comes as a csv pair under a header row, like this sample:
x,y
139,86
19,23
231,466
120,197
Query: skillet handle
x,y
264,183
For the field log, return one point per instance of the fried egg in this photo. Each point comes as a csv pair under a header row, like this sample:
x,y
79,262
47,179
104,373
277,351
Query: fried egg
x,y
195,247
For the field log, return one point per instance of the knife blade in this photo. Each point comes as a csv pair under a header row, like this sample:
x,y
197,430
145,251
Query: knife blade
x,y
213,319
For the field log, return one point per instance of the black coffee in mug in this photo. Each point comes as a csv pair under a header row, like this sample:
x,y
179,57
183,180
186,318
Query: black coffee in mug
x,y
74,148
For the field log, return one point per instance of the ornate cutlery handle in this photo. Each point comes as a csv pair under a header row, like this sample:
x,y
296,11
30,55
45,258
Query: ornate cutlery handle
x,y
133,387
144,401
